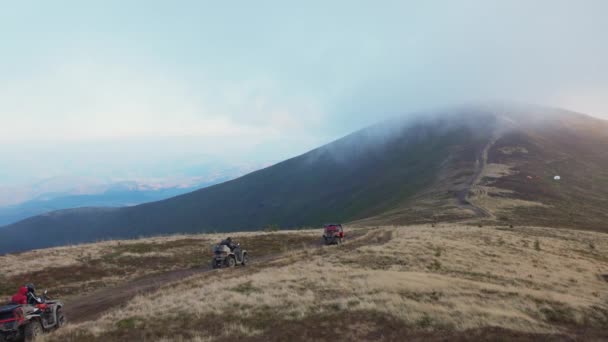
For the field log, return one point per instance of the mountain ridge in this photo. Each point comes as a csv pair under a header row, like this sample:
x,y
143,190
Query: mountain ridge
x,y
399,171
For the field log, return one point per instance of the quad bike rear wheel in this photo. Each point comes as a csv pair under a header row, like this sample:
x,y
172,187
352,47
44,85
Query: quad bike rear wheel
x,y
61,320
32,331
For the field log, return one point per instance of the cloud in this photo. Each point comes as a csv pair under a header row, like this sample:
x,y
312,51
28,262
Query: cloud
x,y
109,120
93,101
141,80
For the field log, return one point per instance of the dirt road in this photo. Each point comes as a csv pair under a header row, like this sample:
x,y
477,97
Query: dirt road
x,y
91,306
463,195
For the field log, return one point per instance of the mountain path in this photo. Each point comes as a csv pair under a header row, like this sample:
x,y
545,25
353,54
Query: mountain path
x,y
91,306
464,196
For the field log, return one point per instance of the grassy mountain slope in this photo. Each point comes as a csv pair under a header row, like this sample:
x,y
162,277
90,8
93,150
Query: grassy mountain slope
x,y
523,161
361,175
513,181
449,282
493,163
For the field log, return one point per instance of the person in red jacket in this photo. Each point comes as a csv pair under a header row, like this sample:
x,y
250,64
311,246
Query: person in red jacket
x,y
20,297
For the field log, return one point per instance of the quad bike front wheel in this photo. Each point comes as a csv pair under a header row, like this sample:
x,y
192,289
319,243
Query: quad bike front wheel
x,y
32,331
231,262
245,259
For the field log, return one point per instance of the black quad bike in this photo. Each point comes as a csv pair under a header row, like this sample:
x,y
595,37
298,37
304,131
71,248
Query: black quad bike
x,y
224,257
27,322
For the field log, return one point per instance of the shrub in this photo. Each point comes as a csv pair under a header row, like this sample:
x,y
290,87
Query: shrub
x,y
438,252
246,288
272,228
129,323
435,265
425,321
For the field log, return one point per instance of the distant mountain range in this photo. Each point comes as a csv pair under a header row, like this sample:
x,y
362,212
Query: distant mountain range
x,y
115,196
66,192
489,163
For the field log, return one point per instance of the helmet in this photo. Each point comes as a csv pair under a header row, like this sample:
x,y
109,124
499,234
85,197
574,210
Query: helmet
x,y
30,287
229,239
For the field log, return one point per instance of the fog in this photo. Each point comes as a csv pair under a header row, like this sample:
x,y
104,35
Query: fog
x,y
114,86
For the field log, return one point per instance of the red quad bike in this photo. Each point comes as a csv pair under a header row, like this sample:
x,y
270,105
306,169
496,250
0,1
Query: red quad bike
x,y
27,322
333,234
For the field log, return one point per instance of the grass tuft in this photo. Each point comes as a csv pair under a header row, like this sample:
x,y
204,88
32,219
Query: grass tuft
x,y
246,288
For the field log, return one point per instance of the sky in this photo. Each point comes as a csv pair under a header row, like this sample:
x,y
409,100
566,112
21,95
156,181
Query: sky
x,y
113,86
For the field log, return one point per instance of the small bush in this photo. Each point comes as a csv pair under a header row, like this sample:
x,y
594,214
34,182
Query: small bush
x,y
353,302
245,288
129,323
558,315
537,245
435,265
425,321
272,228
435,296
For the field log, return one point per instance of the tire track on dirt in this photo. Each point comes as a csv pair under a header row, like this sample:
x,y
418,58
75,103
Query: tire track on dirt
x,y
88,307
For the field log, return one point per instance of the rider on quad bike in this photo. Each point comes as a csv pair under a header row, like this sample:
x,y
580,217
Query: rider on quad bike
x,y
20,298
228,254
32,299
234,247
29,316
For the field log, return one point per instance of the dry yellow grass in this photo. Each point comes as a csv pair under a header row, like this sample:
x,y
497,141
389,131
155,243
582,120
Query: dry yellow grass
x,y
448,277
74,270
37,260
66,256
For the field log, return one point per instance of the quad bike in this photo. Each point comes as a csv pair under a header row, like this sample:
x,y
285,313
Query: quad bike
x,y
224,257
333,234
27,322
